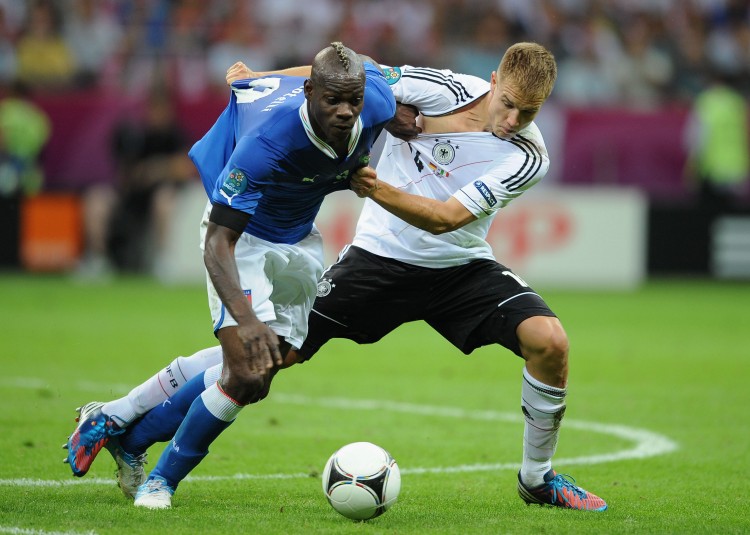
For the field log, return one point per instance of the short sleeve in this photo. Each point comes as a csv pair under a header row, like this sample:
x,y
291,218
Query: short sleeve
x,y
505,179
434,91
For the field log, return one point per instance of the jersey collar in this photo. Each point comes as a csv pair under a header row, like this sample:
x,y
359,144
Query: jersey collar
x,y
324,147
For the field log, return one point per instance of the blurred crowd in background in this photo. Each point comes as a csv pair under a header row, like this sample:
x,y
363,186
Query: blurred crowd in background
x,y
630,52
130,69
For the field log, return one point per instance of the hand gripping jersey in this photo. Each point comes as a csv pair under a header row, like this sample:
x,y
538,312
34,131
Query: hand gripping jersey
x,y
482,171
262,156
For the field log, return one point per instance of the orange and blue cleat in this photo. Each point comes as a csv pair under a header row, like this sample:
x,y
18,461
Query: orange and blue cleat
x,y
560,490
93,432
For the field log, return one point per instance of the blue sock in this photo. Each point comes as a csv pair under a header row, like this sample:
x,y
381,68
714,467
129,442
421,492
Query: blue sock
x,y
161,423
209,415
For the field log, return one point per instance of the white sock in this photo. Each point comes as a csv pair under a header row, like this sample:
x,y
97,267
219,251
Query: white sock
x,y
164,384
212,375
219,404
543,407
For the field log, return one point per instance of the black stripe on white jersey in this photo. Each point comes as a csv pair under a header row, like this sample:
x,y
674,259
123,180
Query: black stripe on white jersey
x,y
446,77
537,155
435,76
475,203
532,153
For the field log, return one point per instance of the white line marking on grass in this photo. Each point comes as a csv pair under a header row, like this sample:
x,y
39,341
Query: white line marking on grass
x,y
23,531
36,383
24,382
27,482
645,443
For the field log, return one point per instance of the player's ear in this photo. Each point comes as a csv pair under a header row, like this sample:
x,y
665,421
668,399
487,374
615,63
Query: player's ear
x,y
308,86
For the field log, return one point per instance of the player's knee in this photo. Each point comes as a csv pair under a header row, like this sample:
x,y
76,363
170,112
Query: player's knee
x,y
557,345
245,386
543,340
293,357
261,395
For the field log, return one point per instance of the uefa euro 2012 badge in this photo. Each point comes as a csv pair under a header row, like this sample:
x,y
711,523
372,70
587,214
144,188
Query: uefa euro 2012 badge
x,y
234,184
392,74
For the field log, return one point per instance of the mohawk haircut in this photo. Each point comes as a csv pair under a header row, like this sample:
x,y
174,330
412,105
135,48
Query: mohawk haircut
x,y
340,49
336,61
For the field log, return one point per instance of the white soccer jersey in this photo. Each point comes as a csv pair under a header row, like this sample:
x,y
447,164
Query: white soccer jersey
x,y
482,171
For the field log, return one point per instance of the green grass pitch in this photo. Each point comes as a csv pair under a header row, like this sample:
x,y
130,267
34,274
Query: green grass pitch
x,y
657,420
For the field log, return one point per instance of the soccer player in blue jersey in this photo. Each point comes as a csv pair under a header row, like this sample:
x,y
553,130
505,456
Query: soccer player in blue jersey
x,y
281,145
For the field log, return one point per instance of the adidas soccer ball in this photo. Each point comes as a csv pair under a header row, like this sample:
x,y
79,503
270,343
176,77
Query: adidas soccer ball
x,y
361,480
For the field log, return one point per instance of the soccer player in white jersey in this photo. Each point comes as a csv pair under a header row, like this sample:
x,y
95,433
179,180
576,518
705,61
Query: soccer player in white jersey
x,y
419,252
420,246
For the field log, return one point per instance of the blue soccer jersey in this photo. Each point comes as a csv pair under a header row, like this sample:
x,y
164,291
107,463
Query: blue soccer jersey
x,y
263,158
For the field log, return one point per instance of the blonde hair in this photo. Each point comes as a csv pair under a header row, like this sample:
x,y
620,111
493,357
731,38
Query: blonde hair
x,y
531,66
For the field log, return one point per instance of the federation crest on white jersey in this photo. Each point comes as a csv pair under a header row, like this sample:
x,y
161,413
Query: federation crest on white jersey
x,y
443,152
361,480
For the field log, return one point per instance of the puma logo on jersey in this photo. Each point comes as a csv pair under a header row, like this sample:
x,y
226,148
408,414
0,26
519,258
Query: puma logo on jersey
x,y
308,179
227,197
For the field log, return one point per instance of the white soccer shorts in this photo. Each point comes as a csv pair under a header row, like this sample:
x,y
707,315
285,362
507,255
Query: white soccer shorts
x,y
279,279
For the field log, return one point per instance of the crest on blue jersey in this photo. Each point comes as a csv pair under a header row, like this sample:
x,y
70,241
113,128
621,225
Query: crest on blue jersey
x,y
234,184
392,74
486,193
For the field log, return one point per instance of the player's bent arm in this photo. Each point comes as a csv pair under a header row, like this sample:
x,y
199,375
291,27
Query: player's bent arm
x,y
431,215
404,123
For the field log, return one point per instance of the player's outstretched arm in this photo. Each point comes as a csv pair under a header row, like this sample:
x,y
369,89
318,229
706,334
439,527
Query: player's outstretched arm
x,y
403,126
240,71
431,215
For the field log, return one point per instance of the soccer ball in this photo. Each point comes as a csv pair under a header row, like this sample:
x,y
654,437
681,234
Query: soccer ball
x,y
361,480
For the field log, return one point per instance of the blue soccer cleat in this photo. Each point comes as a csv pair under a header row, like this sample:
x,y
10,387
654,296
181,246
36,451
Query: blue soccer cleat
x,y
155,493
560,490
93,432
